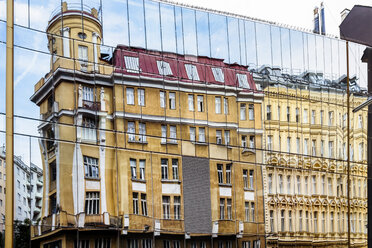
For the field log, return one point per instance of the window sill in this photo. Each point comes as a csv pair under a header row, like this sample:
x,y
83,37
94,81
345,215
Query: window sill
x,y
138,141
200,143
169,143
92,178
225,184
170,181
138,180
249,189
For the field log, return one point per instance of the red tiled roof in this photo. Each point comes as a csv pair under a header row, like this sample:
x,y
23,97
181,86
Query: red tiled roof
x,y
148,66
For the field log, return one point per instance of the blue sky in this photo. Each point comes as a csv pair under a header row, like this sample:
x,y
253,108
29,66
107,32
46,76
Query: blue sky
x,y
30,66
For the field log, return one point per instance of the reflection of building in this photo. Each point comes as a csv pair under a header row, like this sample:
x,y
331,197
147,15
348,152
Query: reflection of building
x,y
25,206
163,151
305,170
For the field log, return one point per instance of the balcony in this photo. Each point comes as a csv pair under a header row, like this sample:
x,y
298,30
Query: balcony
x,y
91,105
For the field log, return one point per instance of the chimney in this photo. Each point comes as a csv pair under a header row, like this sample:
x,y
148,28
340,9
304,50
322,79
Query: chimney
x,y
316,21
344,13
322,19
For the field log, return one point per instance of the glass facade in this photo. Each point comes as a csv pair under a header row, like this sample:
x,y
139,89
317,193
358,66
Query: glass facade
x,y
162,125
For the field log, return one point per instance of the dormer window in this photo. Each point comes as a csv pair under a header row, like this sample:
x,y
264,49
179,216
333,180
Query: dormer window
x,y
192,72
132,64
164,68
218,75
243,81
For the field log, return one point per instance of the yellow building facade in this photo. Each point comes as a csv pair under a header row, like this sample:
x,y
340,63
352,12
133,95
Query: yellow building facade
x,y
305,161
146,149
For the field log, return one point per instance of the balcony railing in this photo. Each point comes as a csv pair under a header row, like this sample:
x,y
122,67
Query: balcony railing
x,y
95,106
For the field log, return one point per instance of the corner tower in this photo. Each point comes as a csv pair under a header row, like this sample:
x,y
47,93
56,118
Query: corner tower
x,y
74,38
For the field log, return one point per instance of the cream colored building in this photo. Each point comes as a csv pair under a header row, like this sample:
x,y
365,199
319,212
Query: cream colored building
x,y
147,149
305,172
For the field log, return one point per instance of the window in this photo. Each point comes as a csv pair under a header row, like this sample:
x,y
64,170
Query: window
x,y
163,134
203,244
131,131
305,116
298,184
330,118
222,209
132,64
245,179
229,209
162,99
270,182
191,102
321,116
175,169
220,173
278,113
226,106
243,81
176,244
290,220
269,142
200,100
282,220
142,166
92,203
289,144
251,142
192,134
244,141
166,244
360,121
133,168
130,96
306,185
315,222
192,72
256,243
143,204
330,191
271,221
218,137
312,116
243,111
164,168
361,151
142,132
289,184
246,208
246,244
141,97
268,112
88,94
307,221
177,207
18,183
288,114
164,68
173,134
314,185
89,129
251,179
306,146
146,243
133,243
172,100
201,134
298,145
82,244
300,221
227,137
297,115
313,147
228,174
217,104
280,178
135,203
91,167
332,222
323,185
251,112
166,207
83,55
323,222
218,75
330,149
322,148
252,212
